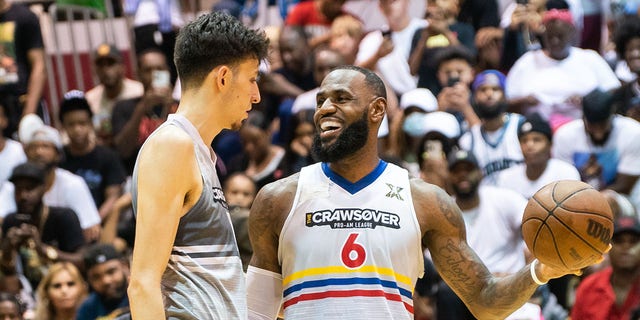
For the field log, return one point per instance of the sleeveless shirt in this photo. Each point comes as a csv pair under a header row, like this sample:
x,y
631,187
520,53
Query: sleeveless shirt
x,y
204,277
350,250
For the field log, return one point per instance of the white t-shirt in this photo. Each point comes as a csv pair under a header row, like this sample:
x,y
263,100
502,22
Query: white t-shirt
x,y
393,67
102,106
515,178
68,191
7,199
10,156
493,229
553,81
620,154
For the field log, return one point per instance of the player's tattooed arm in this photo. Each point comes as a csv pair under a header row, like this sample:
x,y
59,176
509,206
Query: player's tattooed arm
x,y
444,234
268,213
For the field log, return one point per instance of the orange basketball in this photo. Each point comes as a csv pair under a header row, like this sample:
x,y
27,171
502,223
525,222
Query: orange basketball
x,y
567,224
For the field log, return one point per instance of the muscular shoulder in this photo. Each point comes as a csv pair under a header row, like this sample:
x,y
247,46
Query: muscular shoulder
x,y
170,141
170,151
273,203
278,196
435,209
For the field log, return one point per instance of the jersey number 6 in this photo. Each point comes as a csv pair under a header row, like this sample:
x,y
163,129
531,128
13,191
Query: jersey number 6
x,y
351,246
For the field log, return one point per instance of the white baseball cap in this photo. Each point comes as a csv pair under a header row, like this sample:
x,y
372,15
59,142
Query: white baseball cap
x,y
421,98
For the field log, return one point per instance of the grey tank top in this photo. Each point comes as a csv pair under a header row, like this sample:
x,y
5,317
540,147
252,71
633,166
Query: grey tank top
x,y
204,278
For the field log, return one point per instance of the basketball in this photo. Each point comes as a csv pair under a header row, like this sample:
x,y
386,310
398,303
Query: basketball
x,y
567,224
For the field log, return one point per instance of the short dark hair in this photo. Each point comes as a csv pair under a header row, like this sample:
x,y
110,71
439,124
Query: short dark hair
x,y
74,100
557,4
148,51
627,29
371,79
452,53
212,40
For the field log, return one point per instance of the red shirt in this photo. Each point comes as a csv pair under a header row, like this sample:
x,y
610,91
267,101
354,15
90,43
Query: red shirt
x,y
306,13
595,299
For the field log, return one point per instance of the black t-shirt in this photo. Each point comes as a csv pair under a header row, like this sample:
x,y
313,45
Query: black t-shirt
x,y
122,113
100,169
479,13
61,230
13,51
427,72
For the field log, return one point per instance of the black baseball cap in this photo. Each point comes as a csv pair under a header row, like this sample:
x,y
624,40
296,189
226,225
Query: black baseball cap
x,y
626,224
534,123
107,51
457,156
28,170
98,254
597,105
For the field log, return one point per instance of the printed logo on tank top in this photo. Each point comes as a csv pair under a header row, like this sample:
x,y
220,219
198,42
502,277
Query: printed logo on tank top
x,y
347,218
498,165
218,197
394,192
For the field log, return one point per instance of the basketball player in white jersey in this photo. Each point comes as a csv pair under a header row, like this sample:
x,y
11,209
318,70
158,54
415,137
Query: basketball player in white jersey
x,y
186,263
343,238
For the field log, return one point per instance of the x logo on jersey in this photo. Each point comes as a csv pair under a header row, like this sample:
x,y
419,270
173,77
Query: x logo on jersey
x,y
394,192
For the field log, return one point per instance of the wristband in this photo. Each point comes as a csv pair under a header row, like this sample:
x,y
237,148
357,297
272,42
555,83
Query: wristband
x,y
532,268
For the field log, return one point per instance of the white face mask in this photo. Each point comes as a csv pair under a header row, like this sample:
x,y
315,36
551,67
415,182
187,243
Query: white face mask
x,y
413,125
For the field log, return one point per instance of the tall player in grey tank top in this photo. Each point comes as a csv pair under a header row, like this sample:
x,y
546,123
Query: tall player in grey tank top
x,y
185,261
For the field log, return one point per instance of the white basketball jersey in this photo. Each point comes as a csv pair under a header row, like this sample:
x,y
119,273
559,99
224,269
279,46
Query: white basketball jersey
x,y
495,156
351,250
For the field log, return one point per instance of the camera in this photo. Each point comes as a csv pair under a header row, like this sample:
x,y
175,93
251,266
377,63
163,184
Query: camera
x,y
452,81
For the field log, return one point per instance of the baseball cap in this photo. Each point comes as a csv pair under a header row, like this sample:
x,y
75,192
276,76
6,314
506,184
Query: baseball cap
x,y
626,224
534,124
492,77
457,156
107,51
421,98
28,170
442,122
99,253
45,134
597,105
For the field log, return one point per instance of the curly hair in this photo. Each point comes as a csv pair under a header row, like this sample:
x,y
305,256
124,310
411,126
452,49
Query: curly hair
x,y
626,30
213,40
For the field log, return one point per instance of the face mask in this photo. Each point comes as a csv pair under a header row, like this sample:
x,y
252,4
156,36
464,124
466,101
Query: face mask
x,y
413,125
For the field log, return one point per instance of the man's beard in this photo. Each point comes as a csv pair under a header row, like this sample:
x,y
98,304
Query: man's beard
x,y
466,194
485,111
600,142
120,292
352,139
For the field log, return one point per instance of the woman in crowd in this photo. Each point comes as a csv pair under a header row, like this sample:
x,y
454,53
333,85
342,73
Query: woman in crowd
x,y
60,293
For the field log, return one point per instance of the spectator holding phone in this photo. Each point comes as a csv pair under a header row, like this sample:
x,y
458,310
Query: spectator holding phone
x,y
133,120
455,74
443,30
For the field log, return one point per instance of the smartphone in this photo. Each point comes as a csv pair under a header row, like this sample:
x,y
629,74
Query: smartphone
x,y
522,2
452,81
386,33
160,79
